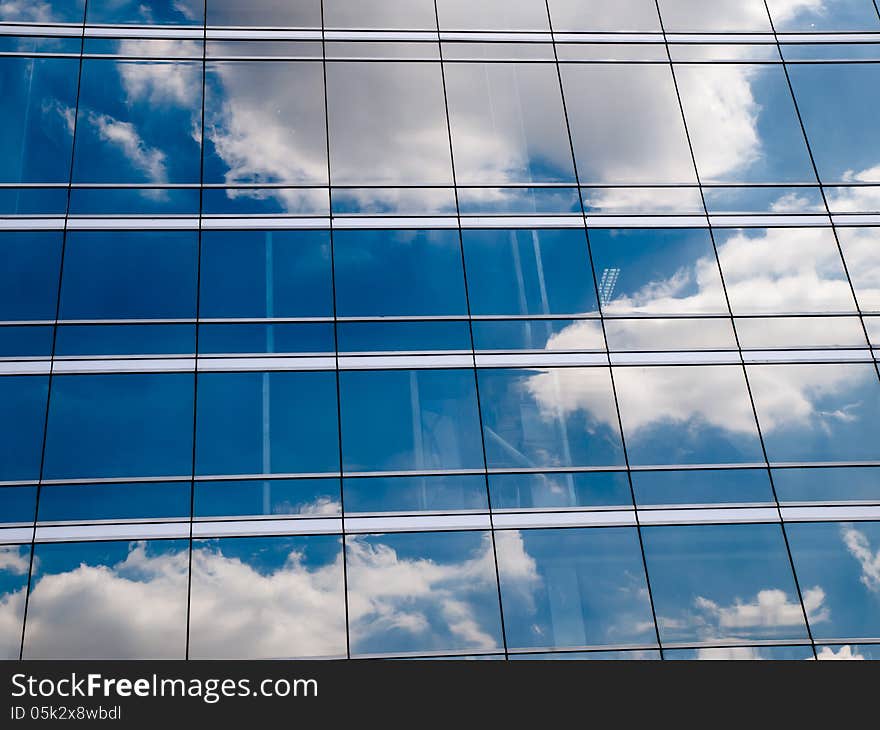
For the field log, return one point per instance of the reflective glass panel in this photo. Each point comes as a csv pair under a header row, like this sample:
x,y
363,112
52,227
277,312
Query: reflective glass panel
x,y
833,484
492,15
36,128
136,501
264,123
573,588
657,335
702,486
784,332
14,567
840,562
17,505
409,420
559,490
687,415
120,426
22,417
267,497
650,271
108,600
636,133
45,11
508,123
720,15
266,423
604,15
267,598
724,582
559,335
552,417
742,653
849,652
156,12
29,268
422,592
861,251
372,337
384,14
265,13
415,494
831,15
818,412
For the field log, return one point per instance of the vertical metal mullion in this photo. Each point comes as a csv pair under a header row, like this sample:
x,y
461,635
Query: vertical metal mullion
x,y
54,333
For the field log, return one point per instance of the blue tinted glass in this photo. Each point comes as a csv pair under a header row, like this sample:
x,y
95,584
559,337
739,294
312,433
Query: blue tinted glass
x,y
410,420
840,118
157,12
150,500
818,412
839,563
267,597
657,272
403,336
130,275
46,11
267,423
134,201
518,200
410,273
17,504
138,122
128,339
702,486
36,130
264,123
545,334
120,426
827,485
266,338
415,494
33,201
268,497
29,268
687,415
832,15
724,582
266,201
573,588
449,602
265,13
529,272
851,652
278,274
560,490
744,653
108,600
549,418
638,655
22,416
14,567
25,341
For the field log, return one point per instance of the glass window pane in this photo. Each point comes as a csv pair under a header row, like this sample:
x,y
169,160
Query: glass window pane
x,y
14,568
657,335
125,339
255,339
265,13
47,11
629,655
559,335
139,122
702,486
492,15
784,332
517,272
636,134
508,123
410,273
573,588
36,129
120,426
130,275
849,652
872,324
818,412
23,341
830,15
781,270
136,501
687,415
108,600
559,490
604,15
18,505
841,563
724,583
861,250
743,653
277,274
264,123
720,16
410,420
267,598
22,417
840,118
382,495
387,124
29,267
743,124
422,592
156,12
372,337
657,272
553,417
267,497
266,423
830,484
381,14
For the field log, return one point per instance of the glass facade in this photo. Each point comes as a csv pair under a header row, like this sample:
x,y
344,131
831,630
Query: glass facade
x,y
544,329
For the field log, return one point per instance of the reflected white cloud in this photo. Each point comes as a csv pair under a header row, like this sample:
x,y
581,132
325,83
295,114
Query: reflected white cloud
x,y
124,136
845,653
860,548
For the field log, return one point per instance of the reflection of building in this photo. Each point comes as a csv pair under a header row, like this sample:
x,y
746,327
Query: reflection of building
x,y
334,328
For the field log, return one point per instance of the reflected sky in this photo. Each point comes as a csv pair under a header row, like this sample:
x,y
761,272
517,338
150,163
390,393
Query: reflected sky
x,y
29,275
265,13
571,588
14,568
384,14
824,15
22,416
422,592
604,15
492,15
156,12
860,250
42,11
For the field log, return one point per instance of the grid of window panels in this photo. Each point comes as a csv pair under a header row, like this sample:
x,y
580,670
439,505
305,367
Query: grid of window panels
x,y
433,328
